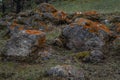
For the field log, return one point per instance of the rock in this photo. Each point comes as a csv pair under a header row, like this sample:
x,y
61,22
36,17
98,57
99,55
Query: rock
x,y
47,11
26,13
115,19
25,42
90,13
66,71
45,55
84,35
95,57
56,17
14,27
116,28
45,7
116,47
3,24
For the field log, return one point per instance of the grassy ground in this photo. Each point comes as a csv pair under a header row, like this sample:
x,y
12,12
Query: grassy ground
x,y
11,70
104,6
108,70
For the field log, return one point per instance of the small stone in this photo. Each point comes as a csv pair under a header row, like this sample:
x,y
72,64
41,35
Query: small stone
x,y
95,57
66,71
45,55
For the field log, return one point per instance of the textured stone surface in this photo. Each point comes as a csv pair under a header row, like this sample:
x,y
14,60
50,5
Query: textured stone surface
x,y
45,7
66,71
50,13
95,57
84,35
25,42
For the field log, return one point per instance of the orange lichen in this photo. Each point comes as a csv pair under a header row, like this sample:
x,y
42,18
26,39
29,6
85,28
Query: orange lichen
x,y
21,28
118,27
90,13
46,7
60,15
43,25
92,26
33,32
41,41
15,24
72,25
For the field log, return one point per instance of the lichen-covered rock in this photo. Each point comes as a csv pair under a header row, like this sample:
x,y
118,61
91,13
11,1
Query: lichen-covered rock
x,y
14,28
94,56
115,19
45,7
25,42
91,15
116,28
49,12
84,35
26,13
66,71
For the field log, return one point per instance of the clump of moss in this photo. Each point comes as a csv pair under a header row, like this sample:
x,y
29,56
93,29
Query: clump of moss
x,y
81,55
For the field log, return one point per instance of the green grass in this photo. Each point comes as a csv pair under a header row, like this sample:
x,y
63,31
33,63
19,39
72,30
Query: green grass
x,y
103,6
0,14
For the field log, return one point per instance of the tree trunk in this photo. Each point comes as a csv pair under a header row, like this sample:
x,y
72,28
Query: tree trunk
x,y
3,7
18,6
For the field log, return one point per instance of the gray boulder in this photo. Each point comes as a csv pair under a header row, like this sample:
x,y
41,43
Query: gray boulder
x,y
66,71
84,35
24,42
94,57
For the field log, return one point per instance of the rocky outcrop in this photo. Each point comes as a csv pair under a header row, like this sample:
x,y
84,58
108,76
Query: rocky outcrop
x,y
25,42
84,35
50,13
